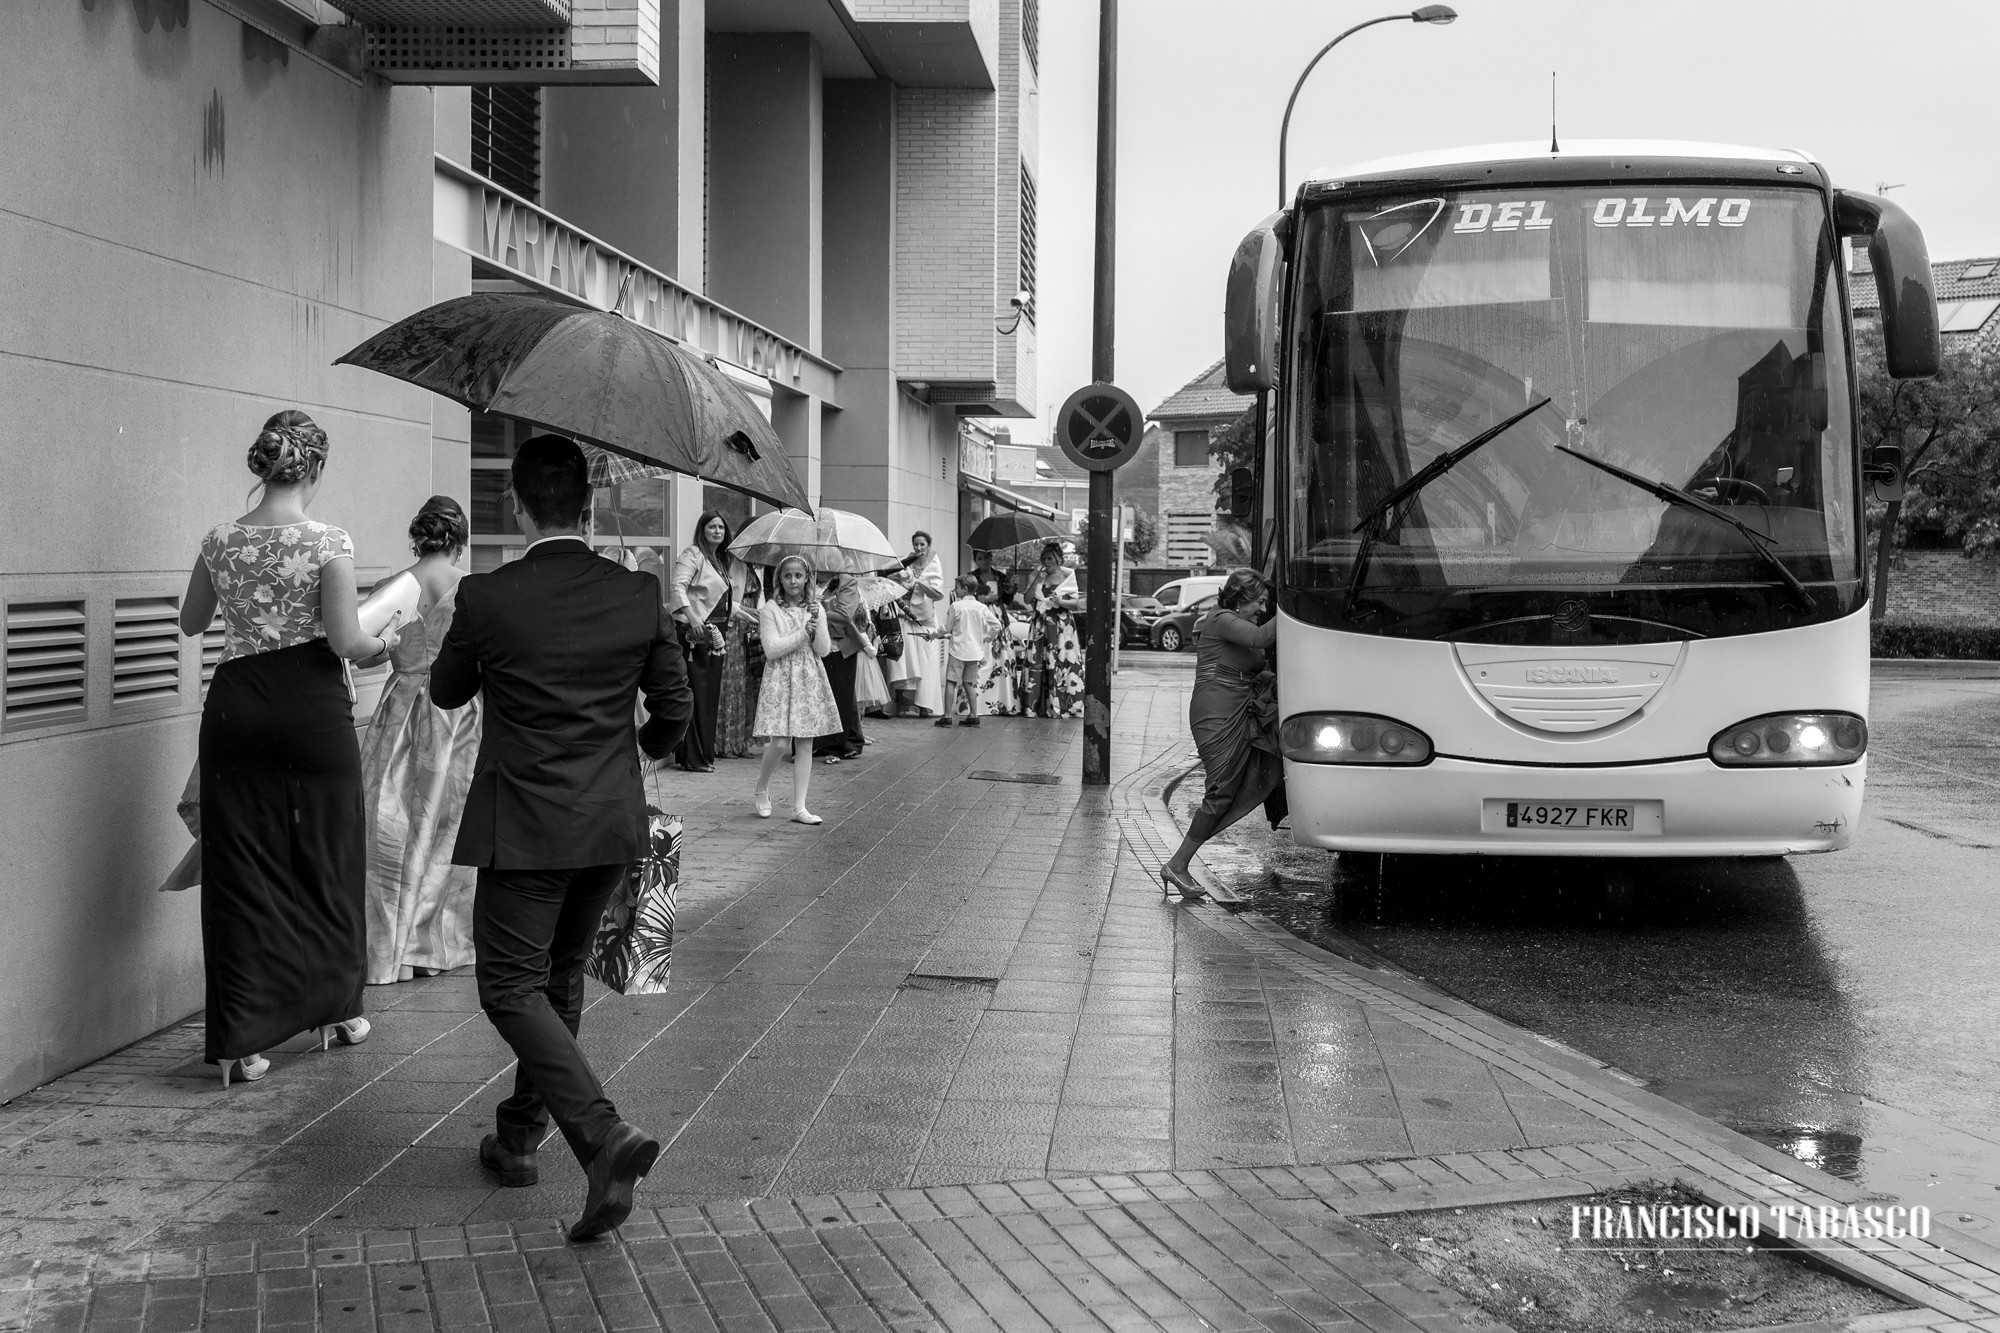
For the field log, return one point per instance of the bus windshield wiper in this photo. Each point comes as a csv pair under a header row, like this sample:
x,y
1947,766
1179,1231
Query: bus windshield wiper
x,y
1675,495
1371,527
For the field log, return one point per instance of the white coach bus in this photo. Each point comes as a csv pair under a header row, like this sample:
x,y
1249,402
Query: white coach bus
x,y
1562,494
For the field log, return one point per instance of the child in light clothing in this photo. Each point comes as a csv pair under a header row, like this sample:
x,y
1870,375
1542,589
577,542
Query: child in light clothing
x,y
970,625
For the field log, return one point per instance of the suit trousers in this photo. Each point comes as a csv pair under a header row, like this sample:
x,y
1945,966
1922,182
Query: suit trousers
x,y
840,669
532,930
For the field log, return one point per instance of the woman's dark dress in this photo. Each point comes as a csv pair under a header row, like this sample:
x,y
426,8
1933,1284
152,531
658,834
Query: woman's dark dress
x,y
1239,757
283,922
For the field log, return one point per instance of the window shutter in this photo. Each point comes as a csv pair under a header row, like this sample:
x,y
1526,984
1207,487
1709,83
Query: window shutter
x,y
45,677
1031,32
146,652
507,137
1028,242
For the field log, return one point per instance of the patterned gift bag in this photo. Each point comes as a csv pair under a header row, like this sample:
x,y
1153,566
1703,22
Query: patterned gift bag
x,y
634,948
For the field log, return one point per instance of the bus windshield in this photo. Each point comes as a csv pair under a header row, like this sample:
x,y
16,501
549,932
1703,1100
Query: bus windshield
x,y
1690,336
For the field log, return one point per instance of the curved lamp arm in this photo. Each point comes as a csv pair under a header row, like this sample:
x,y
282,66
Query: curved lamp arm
x,y
1439,14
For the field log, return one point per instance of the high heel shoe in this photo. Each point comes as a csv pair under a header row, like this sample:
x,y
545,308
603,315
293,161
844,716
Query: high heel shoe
x,y
763,806
1185,885
249,1071
352,1032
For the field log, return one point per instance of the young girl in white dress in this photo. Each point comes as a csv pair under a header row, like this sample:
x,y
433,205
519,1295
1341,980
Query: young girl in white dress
x,y
796,703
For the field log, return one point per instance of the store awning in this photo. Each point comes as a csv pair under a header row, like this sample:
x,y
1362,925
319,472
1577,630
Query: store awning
x,y
1000,495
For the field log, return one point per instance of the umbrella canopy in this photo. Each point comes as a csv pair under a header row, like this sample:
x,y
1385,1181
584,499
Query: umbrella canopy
x,y
833,541
593,375
878,592
1004,531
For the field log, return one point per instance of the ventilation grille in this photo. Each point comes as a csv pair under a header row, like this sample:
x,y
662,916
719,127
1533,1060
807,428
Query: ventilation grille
x,y
429,46
146,652
212,640
45,664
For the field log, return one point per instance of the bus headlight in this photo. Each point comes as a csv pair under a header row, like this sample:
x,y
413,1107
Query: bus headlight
x,y
1352,738
1793,740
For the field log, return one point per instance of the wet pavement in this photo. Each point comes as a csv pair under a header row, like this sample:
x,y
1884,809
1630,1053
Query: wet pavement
x,y
968,1065
1840,1007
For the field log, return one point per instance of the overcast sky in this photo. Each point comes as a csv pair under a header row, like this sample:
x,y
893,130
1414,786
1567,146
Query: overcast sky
x,y
1895,91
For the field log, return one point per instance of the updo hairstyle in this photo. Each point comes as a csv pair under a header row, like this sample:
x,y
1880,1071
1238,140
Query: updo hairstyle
x,y
1052,549
1243,585
439,526
290,449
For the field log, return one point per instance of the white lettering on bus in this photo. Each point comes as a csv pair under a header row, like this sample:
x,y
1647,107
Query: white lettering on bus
x,y
1679,212
1507,215
1617,212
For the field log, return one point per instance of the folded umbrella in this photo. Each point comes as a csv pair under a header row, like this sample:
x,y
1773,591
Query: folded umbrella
x,y
593,375
833,541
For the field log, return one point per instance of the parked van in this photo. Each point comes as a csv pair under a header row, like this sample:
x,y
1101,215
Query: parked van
x,y
1183,592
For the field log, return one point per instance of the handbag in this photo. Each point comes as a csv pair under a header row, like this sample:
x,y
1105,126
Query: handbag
x,y
188,873
889,633
393,601
634,948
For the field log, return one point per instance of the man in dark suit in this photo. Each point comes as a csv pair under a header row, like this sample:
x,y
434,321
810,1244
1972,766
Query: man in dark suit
x,y
559,641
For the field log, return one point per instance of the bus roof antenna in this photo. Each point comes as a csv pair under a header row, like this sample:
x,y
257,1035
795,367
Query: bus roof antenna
x,y
1554,147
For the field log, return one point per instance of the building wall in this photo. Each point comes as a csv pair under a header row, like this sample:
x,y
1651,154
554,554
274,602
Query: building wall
x,y
247,215
1017,146
1944,585
764,180
859,275
945,234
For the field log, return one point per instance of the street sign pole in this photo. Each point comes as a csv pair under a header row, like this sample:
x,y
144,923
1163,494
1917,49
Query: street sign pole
x,y
1102,621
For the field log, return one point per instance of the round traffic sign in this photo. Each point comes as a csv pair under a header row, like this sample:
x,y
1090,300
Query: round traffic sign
x,y
1100,427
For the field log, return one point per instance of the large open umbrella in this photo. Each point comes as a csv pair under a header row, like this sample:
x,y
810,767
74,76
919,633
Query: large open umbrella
x,y
591,374
1004,531
833,541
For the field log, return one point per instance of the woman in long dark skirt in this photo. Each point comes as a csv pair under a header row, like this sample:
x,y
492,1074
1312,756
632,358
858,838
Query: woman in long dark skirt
x,y
283,923
705,597
1239,754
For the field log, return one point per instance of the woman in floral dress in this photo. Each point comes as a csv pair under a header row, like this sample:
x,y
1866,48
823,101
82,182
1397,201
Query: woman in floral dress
x,y
796,704
739,678
1054,650
283,933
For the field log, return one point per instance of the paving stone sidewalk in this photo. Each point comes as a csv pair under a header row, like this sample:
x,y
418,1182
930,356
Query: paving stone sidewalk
x,y
969,1065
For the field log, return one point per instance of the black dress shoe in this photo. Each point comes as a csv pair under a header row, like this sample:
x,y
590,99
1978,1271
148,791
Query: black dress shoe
x,y
622,1161
515,1170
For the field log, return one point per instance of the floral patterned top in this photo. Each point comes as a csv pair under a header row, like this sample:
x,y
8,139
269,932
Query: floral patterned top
x,y
267,582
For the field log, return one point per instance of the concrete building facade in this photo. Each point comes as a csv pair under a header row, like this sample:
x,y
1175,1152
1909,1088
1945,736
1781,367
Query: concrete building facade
x,y
210,200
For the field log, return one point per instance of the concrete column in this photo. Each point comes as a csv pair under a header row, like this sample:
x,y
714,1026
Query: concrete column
x,y
764,180
797,420
689,58
860,229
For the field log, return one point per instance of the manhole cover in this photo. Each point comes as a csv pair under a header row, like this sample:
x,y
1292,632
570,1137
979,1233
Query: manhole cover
x,y
948,985
993,775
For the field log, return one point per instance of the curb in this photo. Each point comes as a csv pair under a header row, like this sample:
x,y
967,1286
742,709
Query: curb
x,y
1142,792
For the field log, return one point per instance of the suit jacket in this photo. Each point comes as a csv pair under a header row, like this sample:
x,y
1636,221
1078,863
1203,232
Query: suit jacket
x,y
560,642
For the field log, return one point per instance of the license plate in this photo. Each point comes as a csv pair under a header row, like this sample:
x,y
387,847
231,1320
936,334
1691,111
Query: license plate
x,y
1580,816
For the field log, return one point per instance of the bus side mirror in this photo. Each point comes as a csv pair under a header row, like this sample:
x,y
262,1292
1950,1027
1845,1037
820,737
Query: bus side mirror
x,y
1250,313
1883,471
1242,493
1902,279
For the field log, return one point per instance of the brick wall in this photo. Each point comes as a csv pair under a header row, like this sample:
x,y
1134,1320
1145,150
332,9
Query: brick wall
x,y
616,34
946,146
1944,585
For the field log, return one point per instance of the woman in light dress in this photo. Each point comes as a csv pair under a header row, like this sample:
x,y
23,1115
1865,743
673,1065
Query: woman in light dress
x,y
796,703
1055,651
416,767
919,678
283,935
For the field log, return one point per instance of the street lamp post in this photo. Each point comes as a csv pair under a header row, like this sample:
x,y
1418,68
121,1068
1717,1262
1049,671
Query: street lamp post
x,y
1438,14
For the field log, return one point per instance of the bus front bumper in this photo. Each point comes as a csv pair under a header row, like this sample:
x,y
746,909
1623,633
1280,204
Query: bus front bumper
x,y
1688,807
